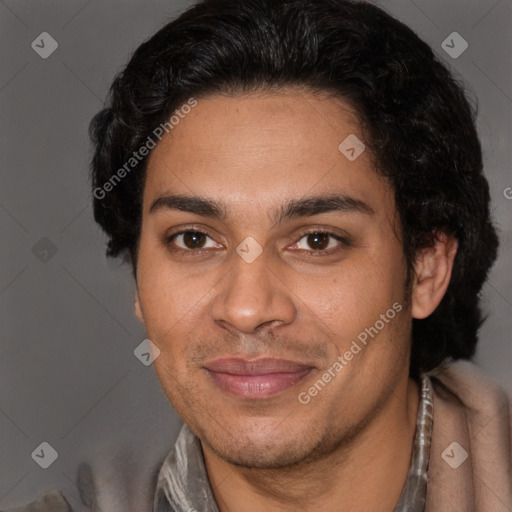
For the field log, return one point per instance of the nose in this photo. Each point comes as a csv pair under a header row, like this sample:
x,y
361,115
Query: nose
x,y
252,296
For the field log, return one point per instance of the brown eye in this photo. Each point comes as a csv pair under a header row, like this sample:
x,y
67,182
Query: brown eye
x,y
321,242
318,241
194,240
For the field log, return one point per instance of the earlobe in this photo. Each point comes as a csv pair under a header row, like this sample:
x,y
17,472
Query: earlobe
x,y
433,270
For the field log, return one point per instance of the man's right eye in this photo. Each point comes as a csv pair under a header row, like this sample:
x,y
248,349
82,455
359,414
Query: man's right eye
x,y
191,240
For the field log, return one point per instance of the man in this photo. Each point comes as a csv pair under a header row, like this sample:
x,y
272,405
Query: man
x,y
298,187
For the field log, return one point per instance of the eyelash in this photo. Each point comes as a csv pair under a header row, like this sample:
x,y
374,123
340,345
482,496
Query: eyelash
x,y
343,242
314,253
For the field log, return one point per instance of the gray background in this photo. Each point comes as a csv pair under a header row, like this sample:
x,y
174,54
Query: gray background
x,y
68,374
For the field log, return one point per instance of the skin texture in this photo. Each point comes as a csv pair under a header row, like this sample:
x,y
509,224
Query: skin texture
x,y
349,447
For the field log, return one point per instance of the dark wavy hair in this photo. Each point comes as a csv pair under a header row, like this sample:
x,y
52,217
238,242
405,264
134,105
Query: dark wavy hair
x,y
418,124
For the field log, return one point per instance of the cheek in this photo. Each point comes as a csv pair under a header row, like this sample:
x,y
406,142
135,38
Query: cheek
x,y
353,296
170,301
169,297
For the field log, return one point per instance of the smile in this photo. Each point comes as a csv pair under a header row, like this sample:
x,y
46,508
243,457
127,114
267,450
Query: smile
x,y
255,379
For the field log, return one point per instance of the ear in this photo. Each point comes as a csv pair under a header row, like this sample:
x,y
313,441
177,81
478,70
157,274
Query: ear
x,y
433,270
138,309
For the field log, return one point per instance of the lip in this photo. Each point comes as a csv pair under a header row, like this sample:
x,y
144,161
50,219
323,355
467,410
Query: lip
x,y
258,378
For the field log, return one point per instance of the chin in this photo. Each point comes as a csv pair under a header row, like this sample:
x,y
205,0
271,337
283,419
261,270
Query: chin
x,y
264,447
255,456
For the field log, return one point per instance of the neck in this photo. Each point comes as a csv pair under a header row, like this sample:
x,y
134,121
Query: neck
x,y
367,472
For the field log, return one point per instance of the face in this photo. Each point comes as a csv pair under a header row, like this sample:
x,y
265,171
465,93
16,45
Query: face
x,y
271,276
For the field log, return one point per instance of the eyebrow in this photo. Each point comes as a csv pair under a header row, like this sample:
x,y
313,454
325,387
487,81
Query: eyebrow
x,y
294,208
191,204
309,206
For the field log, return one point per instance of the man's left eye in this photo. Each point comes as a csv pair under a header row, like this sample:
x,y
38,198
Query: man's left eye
x,y
319,242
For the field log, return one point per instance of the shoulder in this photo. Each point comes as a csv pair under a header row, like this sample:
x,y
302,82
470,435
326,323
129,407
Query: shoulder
x,y
466,398
471,449
465,383
122,486
50,501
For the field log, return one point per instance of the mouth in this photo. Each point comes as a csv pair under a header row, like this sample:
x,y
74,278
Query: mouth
x,y
258,378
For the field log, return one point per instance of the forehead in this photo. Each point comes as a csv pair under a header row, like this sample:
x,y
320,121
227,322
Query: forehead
x,y
265,146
